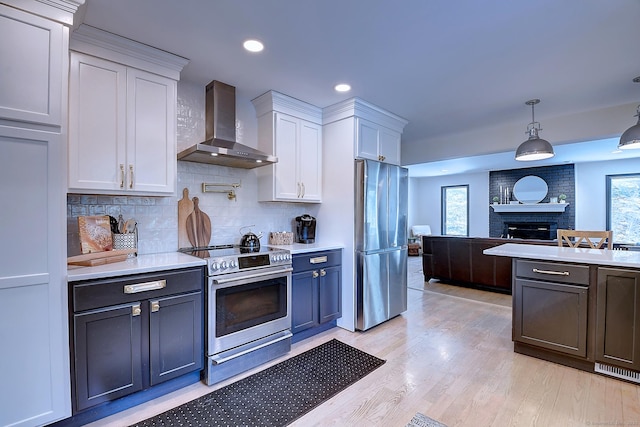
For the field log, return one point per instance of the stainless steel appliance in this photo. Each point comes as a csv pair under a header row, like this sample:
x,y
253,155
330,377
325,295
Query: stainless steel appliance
x,y
220,146
380,242
305,229
248,308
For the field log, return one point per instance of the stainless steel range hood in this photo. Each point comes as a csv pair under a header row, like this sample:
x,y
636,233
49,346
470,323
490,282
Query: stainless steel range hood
x,y
220,146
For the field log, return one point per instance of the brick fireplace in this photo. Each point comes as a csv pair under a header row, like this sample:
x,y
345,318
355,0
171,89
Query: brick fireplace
x,y
560,179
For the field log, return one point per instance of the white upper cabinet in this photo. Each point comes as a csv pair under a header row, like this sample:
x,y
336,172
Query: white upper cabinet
x,y
122,117
33,66
292,131
377,142
375,132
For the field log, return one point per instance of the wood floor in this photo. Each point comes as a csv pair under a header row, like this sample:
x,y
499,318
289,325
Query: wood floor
x,y
449,356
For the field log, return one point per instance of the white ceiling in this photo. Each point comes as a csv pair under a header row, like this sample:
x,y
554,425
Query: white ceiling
x,y
445,66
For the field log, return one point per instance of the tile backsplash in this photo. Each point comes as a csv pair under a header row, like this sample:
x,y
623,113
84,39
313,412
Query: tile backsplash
x,y
157,217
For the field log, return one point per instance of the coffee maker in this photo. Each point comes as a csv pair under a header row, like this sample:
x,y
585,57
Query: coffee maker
x,y
305,229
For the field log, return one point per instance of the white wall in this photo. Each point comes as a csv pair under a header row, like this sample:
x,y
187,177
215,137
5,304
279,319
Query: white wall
x,y
585,126
591,190
590,203
424,201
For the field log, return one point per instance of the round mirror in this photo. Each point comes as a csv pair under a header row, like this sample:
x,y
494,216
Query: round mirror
x,y
530,189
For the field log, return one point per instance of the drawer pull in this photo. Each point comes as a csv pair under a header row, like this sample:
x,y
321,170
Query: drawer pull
x,y
318,260
147,286
554,273
135,310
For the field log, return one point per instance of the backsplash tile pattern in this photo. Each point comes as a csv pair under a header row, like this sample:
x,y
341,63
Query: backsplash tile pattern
x,y
157,217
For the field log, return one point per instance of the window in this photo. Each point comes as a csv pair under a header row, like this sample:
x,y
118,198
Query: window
x,y
455,210
623,207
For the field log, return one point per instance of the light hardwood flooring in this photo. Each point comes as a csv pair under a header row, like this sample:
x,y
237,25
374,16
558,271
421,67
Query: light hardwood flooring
x,y
449,356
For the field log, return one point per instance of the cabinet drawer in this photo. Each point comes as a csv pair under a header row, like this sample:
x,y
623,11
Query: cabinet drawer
x,y
103,293
553,271
314,260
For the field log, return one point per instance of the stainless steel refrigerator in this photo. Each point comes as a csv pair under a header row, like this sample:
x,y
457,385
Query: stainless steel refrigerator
x,y
380,242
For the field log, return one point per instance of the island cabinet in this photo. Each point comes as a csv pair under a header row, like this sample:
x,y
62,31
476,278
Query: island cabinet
x,y
618,319
132,333
316,289
462,261
122,115
551,307
292,131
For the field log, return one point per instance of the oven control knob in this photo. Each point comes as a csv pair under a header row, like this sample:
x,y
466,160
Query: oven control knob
x,y
233,264
223,265
214,266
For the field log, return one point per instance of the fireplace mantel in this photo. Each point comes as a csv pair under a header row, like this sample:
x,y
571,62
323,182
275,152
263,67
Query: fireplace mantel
x,y
530,208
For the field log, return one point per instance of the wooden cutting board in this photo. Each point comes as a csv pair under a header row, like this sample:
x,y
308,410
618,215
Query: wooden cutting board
x,y
198,226
99,261
185,208
100,258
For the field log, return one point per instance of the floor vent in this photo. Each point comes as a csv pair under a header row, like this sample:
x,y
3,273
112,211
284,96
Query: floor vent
x,y
614,371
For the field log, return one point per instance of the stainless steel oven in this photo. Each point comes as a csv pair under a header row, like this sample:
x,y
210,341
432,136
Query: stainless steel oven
x,y
248,308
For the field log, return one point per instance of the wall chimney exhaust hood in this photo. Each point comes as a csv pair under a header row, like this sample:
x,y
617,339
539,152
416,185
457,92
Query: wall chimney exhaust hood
x,y
220,146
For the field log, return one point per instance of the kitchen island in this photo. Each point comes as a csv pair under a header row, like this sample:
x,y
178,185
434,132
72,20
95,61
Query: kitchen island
x,y
576,306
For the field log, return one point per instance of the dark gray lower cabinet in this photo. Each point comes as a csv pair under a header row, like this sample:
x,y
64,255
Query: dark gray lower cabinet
x,y
618,318
551,306
108,354
134,332
316,289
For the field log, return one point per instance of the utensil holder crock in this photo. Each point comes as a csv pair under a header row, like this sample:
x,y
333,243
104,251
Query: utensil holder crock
x,y
125,241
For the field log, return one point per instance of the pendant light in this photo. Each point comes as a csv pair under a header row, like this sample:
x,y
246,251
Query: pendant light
x,y
534,148
630,139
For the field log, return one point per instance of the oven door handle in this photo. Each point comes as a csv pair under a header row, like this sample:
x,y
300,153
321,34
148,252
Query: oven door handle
x,y
233,353
223,280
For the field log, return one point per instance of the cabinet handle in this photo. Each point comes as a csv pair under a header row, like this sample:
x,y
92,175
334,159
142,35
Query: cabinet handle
x,y
121,175
554,273
304,190
323,272
298,193
147,286
318,260
135,310
381,158
155,306
315,274
131,177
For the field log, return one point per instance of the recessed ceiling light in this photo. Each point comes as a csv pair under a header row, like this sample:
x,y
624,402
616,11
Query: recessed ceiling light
x,y
253,45
342,87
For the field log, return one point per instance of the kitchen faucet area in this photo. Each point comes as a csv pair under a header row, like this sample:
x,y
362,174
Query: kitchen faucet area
x,y
291,213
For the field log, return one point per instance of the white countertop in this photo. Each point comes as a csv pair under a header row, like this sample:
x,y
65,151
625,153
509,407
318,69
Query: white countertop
x,y
140,264
607,257
300,248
